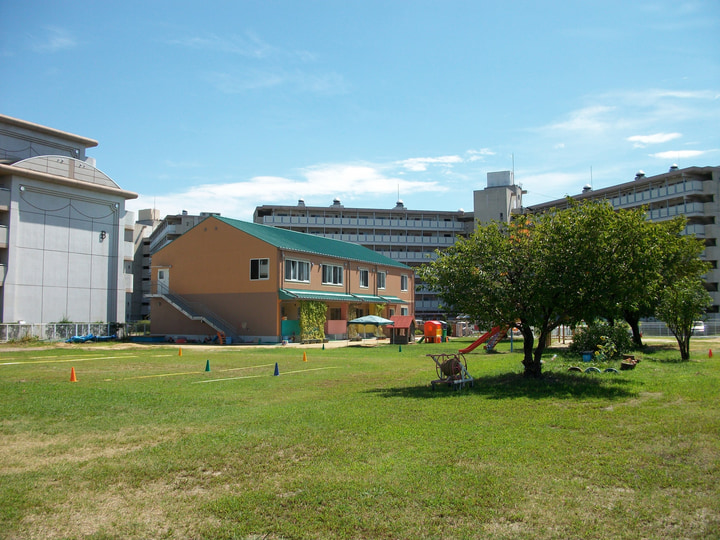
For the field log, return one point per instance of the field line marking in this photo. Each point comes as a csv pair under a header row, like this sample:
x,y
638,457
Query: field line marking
x,y
67,360
258,376
247,367
161,375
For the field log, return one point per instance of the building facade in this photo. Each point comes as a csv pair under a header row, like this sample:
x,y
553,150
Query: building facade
x,y
693,192
246,282
65,237
499,200
406,236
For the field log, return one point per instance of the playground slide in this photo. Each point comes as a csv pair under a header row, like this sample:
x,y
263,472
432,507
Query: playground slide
x,y
482,339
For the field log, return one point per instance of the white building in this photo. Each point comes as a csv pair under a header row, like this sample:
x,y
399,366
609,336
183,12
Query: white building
x,y
65,238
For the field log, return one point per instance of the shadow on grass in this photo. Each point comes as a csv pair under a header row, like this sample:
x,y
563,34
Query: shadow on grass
x,y
554,385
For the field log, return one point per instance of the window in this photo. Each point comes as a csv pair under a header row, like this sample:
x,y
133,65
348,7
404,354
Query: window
x,y
259,269
404,311
332,274
297,270
403,283
364,278
381,280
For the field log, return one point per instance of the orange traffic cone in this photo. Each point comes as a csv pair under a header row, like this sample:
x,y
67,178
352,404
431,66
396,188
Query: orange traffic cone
x,y
180,351
710,353
304,357
73,378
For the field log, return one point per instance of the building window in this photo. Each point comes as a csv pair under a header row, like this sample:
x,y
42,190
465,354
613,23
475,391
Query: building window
x,y
381,280
404,311
332,274
403,283
297,270
364,278
259,269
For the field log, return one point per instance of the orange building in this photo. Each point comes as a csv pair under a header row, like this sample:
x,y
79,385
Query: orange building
x,y
246,282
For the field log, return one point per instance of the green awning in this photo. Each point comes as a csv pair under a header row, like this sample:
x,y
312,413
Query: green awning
x,y
323,296
394,300
370,298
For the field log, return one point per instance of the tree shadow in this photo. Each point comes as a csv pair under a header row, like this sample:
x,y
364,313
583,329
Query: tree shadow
x,y
553,385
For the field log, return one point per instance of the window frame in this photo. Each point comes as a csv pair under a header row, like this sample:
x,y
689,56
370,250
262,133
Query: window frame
x,y
404,282
381,280
335,270
293,266
260,277
366,273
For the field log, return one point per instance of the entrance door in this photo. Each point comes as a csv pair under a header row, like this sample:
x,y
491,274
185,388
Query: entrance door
x,y
163,281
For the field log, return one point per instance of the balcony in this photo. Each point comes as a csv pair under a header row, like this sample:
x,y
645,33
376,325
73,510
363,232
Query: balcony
x,y
3,236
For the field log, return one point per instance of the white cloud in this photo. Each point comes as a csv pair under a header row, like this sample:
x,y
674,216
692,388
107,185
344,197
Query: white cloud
x,y
56,39
593,118
349,182
678,154
249,46
656,138
422,163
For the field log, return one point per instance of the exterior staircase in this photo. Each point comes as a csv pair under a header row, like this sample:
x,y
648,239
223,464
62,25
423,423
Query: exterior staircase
x,y
196,311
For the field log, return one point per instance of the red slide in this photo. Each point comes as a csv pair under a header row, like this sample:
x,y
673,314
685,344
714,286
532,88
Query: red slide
x,y
482,339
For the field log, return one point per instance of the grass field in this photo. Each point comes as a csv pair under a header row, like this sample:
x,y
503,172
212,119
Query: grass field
x,y
354,443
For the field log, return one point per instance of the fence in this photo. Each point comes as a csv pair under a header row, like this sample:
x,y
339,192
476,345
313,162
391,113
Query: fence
x,y
711,327
64,331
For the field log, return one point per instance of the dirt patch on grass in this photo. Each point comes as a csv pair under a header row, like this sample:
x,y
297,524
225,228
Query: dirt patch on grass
x,y
26,452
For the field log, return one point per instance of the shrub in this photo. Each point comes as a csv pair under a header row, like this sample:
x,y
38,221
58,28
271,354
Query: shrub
x,y
605,340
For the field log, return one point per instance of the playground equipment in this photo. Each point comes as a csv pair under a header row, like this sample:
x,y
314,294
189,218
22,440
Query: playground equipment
x,y
451,370
492,337
434,332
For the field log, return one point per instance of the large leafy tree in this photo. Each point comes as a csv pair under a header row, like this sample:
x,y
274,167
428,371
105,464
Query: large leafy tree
x,y
581,263
681,304
642,258
534,274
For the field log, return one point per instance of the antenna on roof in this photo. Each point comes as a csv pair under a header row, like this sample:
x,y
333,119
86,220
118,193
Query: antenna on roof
x,y
591,176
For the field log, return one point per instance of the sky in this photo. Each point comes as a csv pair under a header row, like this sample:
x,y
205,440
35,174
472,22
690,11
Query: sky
x,y
222,106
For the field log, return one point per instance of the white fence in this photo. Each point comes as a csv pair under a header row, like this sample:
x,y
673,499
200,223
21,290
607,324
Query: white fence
x,y
58,331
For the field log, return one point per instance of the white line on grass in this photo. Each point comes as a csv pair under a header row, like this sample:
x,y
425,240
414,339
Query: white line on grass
x,y
66,360
258,376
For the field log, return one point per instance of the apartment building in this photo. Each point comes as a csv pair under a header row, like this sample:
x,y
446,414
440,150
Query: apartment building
x,y
66,246
693,192
406,236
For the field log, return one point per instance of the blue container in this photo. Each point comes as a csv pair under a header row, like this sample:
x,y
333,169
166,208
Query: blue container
x,y
587,356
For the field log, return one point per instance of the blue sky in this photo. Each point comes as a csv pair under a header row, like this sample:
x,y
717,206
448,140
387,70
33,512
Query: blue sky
x,y
224,106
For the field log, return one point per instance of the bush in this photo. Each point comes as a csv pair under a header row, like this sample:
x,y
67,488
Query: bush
x,y
603,340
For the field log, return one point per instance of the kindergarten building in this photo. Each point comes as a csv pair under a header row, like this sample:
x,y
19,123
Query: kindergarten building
x,y
246,282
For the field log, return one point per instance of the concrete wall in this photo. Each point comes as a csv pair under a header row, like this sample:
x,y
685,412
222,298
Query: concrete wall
x,y
60,264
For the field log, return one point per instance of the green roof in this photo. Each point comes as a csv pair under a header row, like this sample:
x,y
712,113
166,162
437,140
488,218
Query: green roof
x,y
310,243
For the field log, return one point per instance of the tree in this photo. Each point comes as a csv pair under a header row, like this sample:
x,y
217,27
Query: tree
x,y
533,274
681,304
642,258
586,262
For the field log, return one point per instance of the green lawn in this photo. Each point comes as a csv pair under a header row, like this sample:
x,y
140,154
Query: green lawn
x,y
354,443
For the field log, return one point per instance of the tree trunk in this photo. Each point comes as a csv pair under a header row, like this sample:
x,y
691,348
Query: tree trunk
x,y
633,319
533,368
684,347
